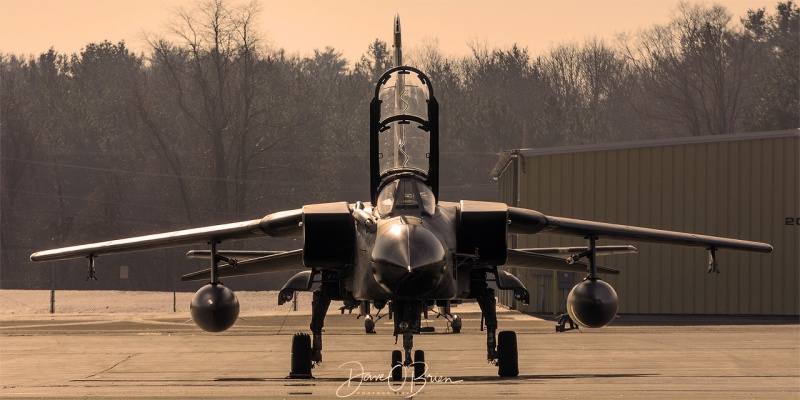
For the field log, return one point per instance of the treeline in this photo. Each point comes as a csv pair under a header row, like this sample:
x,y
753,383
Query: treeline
x,y
212,126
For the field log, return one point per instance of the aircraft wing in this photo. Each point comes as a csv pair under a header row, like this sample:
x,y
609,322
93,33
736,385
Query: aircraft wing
x,y
524,259
285,261
524,221
279,224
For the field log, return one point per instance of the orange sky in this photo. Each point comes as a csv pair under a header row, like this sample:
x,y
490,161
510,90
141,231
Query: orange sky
x,y
300,26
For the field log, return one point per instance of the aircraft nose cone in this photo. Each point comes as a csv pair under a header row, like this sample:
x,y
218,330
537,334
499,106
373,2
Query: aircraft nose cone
x,y
408,260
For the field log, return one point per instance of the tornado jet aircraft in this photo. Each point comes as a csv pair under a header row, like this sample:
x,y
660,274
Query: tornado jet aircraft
x,y
404,249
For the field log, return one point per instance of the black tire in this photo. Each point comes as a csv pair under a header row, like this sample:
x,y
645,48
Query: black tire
x,y
301,356
456,324
397,365
507,360
369,325
419,364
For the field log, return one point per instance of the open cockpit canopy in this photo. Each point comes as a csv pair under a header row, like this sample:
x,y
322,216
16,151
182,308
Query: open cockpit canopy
x,y
404,130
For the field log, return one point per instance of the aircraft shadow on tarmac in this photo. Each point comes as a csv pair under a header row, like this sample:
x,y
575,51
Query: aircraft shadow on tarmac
x,y
521,377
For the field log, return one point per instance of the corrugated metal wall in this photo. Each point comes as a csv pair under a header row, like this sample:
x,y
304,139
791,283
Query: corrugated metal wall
x,y
740,186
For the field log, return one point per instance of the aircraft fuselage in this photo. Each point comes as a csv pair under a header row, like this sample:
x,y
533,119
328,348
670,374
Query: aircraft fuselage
x,y
408,255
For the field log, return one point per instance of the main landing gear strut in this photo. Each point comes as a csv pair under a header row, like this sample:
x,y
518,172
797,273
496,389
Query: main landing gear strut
x,y
307,351
501,350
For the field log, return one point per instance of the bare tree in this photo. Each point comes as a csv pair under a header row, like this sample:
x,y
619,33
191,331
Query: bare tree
x,y
217,76
697,69
584,94
776,102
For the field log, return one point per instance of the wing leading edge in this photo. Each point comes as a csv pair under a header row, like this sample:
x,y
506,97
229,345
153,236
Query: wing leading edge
x,y
524,221
279,224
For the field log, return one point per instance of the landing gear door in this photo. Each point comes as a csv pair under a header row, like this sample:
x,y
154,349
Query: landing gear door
x,y
328,235
482,231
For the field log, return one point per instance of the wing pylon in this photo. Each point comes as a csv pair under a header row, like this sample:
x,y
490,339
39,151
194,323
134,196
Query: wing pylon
x,y
285,261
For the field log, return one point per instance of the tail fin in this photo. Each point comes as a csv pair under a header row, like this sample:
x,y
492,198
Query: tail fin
x,y
398,52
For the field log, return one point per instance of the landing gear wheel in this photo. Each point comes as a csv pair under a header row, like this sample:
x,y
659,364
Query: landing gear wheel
x,y
507,361
301,357
397,365
369,324
419,364
456,324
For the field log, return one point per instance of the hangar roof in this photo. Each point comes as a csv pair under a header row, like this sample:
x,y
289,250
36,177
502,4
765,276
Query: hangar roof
x,y
659,142
506,155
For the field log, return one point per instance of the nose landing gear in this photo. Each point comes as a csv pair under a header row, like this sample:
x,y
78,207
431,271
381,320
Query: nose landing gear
x,y
407,321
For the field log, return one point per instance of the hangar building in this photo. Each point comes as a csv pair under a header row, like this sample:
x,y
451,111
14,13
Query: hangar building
x,y
744,186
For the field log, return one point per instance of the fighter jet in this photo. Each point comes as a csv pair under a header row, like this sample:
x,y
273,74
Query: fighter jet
x,y
404,249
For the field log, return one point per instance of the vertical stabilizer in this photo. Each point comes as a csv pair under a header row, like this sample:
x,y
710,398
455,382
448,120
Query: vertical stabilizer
x,y
398,52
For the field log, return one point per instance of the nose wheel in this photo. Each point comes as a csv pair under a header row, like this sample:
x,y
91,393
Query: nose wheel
x,y
418,364
397,365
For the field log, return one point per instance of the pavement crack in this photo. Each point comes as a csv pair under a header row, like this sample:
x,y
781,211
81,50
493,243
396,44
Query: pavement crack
x,y
113,366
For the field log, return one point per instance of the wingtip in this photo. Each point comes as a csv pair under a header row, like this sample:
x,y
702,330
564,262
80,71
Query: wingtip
x,y
195,276
38,256
760,247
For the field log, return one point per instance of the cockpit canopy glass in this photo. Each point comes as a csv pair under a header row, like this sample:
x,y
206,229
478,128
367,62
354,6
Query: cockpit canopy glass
x,y
406,196
404,93
404,142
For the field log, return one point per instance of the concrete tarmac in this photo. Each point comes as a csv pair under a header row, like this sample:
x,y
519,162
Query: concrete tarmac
x,y
165,356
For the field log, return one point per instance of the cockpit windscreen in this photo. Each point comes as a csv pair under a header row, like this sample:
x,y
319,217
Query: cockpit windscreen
x,y
406,195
